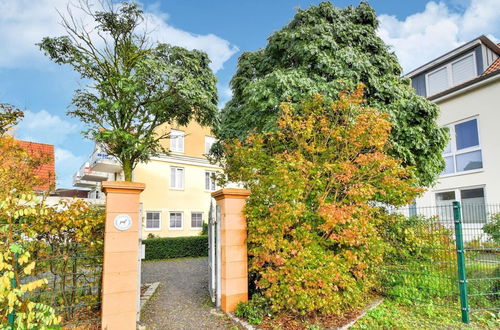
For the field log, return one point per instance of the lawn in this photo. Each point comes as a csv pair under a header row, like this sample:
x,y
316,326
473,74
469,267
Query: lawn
x,y
393,315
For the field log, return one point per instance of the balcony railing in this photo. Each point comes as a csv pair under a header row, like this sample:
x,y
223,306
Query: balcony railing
x,y
102,162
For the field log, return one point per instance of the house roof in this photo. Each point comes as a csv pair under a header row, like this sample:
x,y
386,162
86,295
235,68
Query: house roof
x,y
46,171
443,58
493,67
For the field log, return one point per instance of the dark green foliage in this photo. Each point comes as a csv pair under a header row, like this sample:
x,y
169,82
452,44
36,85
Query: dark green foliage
x,y
176,247
327,50
204,229
254,310
134,85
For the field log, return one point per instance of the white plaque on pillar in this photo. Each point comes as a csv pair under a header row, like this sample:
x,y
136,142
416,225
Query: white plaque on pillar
x,y
123,222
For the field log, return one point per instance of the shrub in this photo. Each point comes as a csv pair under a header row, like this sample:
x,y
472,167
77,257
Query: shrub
x,y
418,261
312,234
176,247
253,310
492,228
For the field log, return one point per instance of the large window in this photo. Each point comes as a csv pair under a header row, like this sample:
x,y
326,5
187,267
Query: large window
x,y
176,220
209,142
472,201
210,183
153,220
451,74
177,178
176,141
463,152
196,220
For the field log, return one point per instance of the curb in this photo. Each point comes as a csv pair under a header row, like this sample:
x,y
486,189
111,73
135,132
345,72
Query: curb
x,y
240,322
148,294
372,305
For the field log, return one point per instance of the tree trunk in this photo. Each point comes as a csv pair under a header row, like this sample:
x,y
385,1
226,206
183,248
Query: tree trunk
x,y
127,169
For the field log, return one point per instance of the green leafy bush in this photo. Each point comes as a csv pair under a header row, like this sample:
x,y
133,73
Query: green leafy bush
x,y
419,258
254,310
492,228
176,247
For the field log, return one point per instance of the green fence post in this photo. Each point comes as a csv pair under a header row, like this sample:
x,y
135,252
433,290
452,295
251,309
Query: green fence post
x,y
462,278
13,283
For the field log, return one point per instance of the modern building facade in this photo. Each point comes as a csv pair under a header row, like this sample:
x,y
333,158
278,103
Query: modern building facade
x,y
465,84
176,201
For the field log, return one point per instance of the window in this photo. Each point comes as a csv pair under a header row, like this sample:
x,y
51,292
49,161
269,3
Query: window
x,y
209,142
153,221
176,141
437,81
472,200
451,74
463,152
473,205
177,178
196,220
175,220
210,183
463,69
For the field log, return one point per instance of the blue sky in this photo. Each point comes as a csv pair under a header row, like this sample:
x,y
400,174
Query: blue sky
x,y
417,30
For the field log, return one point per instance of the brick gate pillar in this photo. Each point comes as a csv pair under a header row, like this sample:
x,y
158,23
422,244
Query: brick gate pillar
x,y
234,262
121,248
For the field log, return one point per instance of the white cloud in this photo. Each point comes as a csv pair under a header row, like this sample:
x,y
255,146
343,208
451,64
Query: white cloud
x,y
424,36
44,127
67,164
23,23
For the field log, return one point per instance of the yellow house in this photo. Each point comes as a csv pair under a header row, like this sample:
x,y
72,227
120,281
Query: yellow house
x,y
176,201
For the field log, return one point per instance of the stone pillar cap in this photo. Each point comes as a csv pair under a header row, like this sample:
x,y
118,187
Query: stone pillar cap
x,y
123,186
230,193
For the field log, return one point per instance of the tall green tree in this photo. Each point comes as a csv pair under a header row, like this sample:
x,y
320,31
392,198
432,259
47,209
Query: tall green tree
x,y
328,50
135,85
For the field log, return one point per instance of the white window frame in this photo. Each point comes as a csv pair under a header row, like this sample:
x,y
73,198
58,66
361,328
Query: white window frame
x,y
206,139
205,182
182,220
182,179
174,135
454,152
146,221
449,72
191,223
458,194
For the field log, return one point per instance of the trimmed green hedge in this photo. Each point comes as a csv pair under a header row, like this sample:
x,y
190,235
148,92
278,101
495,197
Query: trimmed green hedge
x,y
176,247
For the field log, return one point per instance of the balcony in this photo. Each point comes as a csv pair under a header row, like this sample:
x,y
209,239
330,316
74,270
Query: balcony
x,y
87,174
102,162
79,182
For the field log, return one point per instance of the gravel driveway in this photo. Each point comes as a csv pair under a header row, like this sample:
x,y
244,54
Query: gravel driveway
x,y
182,300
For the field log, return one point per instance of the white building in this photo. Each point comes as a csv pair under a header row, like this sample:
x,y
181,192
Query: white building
x,y
465,83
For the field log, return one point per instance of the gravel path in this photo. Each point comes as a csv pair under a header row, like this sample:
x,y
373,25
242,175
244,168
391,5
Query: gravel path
x,y
182,300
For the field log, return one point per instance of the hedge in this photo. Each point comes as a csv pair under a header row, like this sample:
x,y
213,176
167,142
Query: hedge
x,y
176,247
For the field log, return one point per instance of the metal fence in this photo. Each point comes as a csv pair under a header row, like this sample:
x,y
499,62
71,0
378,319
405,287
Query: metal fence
x,y
73,272
451,260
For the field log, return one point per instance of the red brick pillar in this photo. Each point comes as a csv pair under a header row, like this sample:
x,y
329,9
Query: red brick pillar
x,y
121,248
234,263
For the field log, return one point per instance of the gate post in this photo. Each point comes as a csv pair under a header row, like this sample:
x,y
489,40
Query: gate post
x,y
233,235
120,267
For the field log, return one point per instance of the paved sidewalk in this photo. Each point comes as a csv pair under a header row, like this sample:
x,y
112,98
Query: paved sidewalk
x,y
182,300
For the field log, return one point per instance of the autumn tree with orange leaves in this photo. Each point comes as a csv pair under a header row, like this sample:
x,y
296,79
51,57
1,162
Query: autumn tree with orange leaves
x,y
317,185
